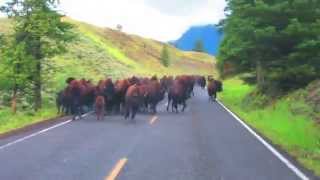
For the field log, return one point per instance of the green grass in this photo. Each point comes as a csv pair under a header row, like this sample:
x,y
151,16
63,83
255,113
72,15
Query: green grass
x,y
8,121
280,122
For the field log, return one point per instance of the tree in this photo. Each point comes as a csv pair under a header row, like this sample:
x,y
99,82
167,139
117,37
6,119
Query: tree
x,y
276,40
165,56
16,67
119,27
42,33
198,46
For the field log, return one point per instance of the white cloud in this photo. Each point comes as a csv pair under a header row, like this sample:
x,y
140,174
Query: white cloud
x,y
159,19
177,7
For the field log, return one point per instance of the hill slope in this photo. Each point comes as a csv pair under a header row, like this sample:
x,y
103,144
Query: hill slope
x,y
100,52
209,34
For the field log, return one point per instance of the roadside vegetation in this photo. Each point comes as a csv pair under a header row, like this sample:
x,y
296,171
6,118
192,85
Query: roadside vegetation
x,y
288,121
270,53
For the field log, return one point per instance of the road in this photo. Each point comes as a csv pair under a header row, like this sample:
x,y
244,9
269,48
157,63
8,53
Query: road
x,y
204,143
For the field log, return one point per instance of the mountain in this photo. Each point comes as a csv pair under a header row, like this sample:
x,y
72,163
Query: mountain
x,y
208,34
103,52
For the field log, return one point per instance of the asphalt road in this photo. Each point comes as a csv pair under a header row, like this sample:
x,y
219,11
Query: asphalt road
x,y
204,143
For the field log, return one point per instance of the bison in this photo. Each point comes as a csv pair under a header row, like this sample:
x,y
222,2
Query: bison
x,y
99,107
154,93
214,86
121,88
133,99
201,80
178,94
107,90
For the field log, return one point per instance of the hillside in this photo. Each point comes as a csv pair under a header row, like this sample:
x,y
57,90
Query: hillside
x,y
100,52
208,34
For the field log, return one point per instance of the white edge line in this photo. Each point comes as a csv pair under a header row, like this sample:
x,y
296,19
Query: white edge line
x,y
268,146
38,133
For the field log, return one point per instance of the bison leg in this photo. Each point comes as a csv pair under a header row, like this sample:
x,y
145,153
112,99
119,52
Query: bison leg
x,y
133,113
127,112
214,97
175,106
184,106
59,108
154,108
168,105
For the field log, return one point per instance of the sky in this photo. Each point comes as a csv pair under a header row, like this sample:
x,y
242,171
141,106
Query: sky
x,y
162,20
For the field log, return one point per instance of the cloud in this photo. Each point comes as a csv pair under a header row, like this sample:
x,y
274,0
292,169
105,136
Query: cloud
x,y
162,20
177,7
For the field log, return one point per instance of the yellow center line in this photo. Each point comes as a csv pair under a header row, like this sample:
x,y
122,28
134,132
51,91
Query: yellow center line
x,y
153,120
116,170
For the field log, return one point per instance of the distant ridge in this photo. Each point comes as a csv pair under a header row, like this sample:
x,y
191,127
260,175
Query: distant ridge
x,y
209,34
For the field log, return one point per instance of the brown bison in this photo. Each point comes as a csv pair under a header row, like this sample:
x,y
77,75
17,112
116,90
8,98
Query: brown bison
x,y
214,86
99,107
201,81
166,82
121,87
78,94
154,93
133,100
178,94
107,90
188,82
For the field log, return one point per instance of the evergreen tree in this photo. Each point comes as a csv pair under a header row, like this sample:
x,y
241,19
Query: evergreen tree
x,y
277,40
198,46
165,56
41,33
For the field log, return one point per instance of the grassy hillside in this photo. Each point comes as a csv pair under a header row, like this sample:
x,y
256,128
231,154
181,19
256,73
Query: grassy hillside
x,y
102,52
290,121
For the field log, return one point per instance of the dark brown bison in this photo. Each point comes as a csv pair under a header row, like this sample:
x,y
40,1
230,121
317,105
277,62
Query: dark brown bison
x,y
63,103
214,86
75,91
166,82
121,87
188,83
178,94
107,90
201,80
154,93
79,93
134,80
99,107
133,99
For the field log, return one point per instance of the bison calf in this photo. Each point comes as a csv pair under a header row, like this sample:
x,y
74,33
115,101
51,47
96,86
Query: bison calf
x,y
99,107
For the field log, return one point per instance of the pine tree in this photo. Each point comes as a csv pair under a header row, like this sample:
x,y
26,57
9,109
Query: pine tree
x,y
198,46
42,33
165,56
276,40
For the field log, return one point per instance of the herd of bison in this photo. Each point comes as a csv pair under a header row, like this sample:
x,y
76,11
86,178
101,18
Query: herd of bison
x,y
132,95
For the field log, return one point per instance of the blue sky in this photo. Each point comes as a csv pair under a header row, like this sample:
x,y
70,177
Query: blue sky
x,y
158,19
